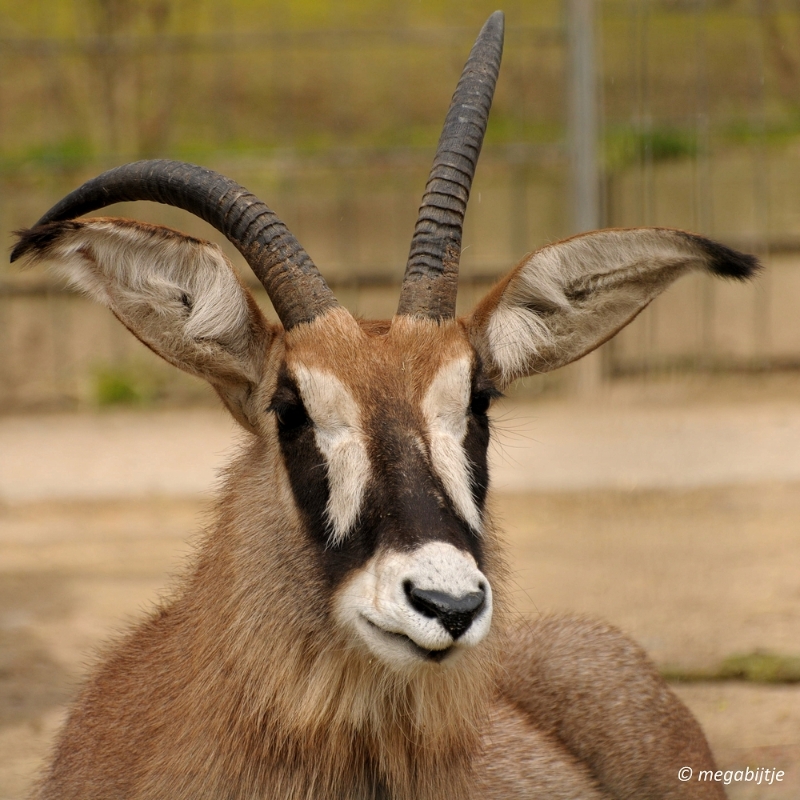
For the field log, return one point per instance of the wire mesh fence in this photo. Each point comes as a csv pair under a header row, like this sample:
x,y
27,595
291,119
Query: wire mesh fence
x,y
333,123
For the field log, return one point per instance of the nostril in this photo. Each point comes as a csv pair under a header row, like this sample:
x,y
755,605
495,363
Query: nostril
x,y
455,613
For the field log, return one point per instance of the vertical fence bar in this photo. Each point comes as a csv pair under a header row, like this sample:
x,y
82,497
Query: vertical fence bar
x,y
704,178
762,306
582,137
582,120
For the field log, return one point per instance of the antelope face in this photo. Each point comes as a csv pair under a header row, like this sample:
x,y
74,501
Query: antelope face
x,y
382,428
386,454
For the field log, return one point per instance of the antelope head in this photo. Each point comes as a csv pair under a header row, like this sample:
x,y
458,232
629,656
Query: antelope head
x,y
369,454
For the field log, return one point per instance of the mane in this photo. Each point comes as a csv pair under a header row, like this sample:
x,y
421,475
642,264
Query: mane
x,y
354,722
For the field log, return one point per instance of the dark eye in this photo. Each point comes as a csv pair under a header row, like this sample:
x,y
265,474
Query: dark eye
x,y
481,400
291,417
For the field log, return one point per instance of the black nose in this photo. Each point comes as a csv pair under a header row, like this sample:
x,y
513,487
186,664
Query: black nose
x,y
455,613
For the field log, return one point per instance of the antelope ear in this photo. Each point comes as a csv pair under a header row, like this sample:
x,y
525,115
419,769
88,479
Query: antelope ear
x,y
564,300
178,295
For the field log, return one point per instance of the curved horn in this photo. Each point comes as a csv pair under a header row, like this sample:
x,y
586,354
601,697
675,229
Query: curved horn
x,y
295,286
431,278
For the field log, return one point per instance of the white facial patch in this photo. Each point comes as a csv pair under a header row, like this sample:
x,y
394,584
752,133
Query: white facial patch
x,y
445,409
340,439
374,603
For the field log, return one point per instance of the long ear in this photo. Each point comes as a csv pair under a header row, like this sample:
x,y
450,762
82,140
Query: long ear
x,y
568,298
178,295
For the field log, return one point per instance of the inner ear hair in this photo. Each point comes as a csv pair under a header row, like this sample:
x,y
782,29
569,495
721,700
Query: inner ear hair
x,y
177,294
567,298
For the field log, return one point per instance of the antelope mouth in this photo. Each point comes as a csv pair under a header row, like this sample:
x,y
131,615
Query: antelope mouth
x,y
431,605
434,656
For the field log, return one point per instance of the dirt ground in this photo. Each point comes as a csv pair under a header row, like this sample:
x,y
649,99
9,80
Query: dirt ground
x,y
696,569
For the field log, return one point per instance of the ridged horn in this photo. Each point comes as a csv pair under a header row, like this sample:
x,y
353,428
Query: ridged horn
x,y
295,286
431,278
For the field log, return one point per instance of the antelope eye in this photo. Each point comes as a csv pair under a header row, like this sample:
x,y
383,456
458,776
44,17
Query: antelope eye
x,y
289,410
291,417
480,401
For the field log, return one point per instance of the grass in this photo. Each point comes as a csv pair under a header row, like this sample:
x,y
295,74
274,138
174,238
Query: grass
x,y
756,667
126,385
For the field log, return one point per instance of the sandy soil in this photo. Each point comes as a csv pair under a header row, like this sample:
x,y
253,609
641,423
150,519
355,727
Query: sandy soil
x,y
694,569
665,434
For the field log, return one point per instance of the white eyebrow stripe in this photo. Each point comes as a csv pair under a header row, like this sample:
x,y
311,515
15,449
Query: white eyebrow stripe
x,y
340,438
445,409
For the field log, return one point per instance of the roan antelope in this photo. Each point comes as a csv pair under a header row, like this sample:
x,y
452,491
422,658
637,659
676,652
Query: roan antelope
x,y
343,631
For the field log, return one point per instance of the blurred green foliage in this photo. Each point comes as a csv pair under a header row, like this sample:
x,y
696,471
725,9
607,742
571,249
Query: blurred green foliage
x,y
756,667
120,79
137,78
761,667
126,384
62,18
624,146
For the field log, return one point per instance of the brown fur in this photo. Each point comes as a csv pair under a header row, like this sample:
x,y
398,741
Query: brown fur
x,y
305,713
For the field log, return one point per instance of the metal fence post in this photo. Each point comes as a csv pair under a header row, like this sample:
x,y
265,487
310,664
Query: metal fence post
x,y
582,124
